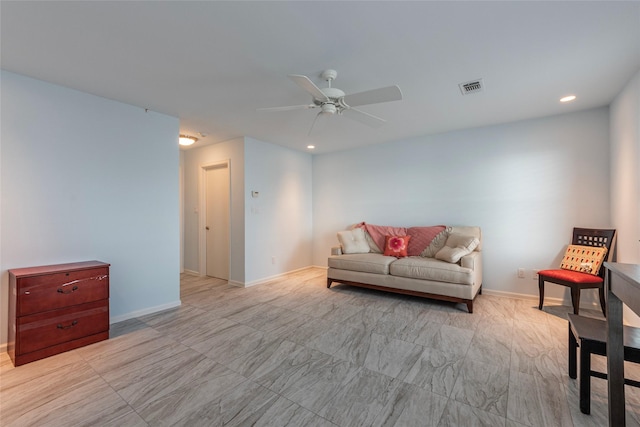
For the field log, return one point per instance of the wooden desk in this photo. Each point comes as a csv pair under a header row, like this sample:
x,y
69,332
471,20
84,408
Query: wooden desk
x,y
622,282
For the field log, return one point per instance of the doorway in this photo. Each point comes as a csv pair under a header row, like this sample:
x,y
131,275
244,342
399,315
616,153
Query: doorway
x,y
216,220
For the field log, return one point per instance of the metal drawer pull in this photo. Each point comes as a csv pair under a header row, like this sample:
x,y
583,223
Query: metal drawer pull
x,y
60,290
74,323
101,277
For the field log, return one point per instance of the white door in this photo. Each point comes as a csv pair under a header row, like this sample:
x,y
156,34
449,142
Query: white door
x,y
217,221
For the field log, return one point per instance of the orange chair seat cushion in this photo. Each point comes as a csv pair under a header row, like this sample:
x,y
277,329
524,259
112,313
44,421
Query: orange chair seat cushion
x,y
570,276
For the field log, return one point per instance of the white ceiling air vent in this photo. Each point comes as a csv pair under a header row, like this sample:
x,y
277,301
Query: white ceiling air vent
x,y
474,86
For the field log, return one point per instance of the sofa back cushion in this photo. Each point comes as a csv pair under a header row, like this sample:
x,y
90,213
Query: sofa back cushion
x,y
421,237
469,230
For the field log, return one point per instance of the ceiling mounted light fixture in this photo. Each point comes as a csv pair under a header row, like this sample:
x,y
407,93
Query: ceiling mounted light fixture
x,y
568,98
311,147
186,140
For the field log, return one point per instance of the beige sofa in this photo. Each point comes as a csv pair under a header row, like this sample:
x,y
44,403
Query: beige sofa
x,y
434,274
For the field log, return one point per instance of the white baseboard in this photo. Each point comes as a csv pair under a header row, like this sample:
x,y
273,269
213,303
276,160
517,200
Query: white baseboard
x,y
515,295
3,348
236,283
144,312
270,278
559,301
259,281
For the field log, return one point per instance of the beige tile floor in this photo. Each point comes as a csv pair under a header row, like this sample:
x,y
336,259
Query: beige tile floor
x,y
293,353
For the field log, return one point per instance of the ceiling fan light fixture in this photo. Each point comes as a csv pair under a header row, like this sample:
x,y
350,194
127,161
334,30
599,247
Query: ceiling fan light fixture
x,y
568,98
329,108
186,140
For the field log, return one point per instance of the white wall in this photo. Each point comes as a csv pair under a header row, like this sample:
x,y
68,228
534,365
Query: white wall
x,y
527,184
87,178
625,176
278,222
258,226
194,160
181,208
625,170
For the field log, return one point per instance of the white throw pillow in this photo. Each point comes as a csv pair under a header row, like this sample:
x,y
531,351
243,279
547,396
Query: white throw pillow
x,y
456,240
457,246
353,241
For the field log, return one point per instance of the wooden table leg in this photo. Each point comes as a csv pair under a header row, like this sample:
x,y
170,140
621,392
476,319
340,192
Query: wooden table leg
x,y
573,350
615,360
585,377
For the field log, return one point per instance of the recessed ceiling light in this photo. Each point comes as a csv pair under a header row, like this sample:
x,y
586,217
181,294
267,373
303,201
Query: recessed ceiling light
x,y
568,98
311,147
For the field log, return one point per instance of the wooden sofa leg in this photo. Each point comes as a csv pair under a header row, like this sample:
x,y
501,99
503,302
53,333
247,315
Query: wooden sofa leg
x,y
329,282
470,306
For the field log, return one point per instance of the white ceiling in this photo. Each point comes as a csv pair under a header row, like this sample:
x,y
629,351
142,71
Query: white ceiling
x,y
212,64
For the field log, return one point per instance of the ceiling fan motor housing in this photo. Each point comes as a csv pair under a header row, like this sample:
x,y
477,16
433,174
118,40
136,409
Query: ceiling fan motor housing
x,y
334,104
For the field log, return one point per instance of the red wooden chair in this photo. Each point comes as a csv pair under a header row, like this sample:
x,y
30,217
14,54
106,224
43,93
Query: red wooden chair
x,y
577,280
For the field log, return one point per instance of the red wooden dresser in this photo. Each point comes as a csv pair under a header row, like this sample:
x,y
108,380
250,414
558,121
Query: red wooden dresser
x,y
56,308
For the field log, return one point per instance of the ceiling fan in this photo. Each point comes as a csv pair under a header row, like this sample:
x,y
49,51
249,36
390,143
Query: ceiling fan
x,y
333,101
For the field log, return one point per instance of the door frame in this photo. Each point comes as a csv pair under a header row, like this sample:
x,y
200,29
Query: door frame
x,y
202,221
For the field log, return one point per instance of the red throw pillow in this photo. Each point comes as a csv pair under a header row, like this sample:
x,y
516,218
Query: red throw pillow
x,y
396,246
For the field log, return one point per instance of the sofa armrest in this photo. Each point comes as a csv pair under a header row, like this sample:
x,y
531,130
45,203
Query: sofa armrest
x,y
472,261
336,250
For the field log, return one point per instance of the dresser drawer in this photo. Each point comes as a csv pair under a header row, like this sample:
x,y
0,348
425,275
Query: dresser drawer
x,y
47,329
64,289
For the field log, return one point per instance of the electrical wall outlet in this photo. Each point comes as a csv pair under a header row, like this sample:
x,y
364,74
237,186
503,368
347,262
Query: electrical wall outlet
x,y
534,273
273,260
521,273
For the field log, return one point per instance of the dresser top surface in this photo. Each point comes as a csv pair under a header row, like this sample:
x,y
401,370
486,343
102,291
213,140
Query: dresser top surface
x,y
57,268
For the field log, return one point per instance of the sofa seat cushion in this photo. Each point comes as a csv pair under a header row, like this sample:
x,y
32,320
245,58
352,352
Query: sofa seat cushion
x,y
366,263
431,269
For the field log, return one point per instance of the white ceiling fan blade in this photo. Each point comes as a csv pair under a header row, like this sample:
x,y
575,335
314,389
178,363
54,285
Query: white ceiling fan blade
x,y
365,118
374,96
309,86
288,108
